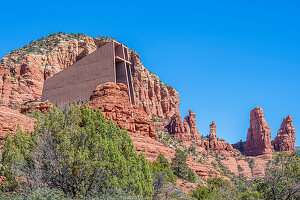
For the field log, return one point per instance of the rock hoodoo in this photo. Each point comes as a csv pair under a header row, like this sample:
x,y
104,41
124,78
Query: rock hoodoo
x,y
285,138
212,131
216,144
178,129
213,140
112,99
191,125
186,129
259,135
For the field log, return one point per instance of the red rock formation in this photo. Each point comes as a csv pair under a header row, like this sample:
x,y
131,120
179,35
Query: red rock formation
x,y
285,138
36,106
11,119
259,135
184,130
178,129
192,127
23,71
212,132
219,145
213,140
112,99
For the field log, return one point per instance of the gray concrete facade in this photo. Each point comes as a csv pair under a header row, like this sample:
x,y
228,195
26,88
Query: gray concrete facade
x,y
109,63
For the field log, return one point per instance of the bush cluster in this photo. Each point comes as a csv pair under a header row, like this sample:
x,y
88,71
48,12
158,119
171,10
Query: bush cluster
x,y
76,152
282,181
180,167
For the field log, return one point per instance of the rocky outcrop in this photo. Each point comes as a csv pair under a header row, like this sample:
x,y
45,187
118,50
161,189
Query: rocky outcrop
x,y
186,129
213,140
36,107
190,123
112,99
259,135
212,132
219,145
23,71
11,119
155,97
179,129
285,138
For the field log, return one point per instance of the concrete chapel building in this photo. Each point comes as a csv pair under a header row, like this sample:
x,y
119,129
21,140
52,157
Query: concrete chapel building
x,y
109,63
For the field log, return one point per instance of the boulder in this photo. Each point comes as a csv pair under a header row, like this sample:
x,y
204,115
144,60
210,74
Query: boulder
x,y
112,99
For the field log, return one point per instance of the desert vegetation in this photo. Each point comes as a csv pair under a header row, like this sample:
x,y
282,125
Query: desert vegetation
x,y
282,181
76,154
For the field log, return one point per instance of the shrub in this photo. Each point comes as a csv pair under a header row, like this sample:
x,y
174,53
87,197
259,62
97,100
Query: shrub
x,y
191,149
240,169
161,159
200,192
180,167
161,173
282,179
77,152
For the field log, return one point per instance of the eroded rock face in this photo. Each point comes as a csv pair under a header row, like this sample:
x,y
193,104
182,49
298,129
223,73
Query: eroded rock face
x,y
191,122
178,128
259,135
285,139
36,106
23,72
11,119
112,99
156,98
184,130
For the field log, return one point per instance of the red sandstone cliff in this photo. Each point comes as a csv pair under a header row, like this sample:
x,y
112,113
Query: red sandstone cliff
x,y
113,101
156,98
285,138
259,135
23,71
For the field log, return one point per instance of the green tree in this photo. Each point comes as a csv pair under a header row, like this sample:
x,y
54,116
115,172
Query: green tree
x,y
180,167
217,189
282,179
162,159
77,152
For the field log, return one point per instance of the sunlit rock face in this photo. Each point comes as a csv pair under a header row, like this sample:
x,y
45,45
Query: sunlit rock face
x,y
285,138
259,135
112,99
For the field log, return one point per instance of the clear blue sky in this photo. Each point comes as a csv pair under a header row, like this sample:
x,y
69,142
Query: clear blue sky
x,y
223,57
